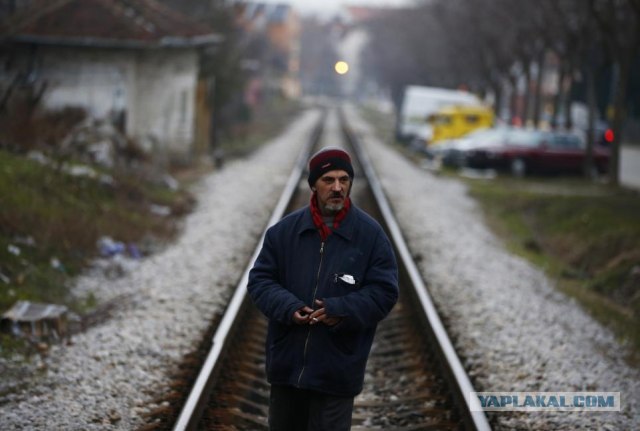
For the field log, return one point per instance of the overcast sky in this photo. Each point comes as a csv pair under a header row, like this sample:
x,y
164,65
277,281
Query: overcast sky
x,y
332,6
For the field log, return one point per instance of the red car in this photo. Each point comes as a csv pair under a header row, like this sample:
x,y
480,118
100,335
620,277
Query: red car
x,y
534,151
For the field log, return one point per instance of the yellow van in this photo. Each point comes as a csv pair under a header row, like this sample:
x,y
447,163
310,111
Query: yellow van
x,y
456,121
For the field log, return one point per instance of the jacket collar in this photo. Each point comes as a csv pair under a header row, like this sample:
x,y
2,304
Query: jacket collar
x,y
345,230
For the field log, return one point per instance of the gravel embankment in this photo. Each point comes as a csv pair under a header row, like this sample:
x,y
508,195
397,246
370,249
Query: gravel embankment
x,y
513,329
106,378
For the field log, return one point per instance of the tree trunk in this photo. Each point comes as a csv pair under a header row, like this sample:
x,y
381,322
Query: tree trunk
x,y
568,100
537,100
591,102
513,105
526,111
557,100
497,91
624,64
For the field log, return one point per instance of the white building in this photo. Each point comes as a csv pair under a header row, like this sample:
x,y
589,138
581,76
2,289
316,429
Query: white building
x,y
131,60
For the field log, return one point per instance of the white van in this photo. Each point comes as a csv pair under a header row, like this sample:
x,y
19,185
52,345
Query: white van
x,y
419,103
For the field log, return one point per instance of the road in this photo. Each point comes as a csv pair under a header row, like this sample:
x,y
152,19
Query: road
x,y
630,166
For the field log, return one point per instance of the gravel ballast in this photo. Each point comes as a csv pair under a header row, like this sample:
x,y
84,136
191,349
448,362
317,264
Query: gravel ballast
x,y
514,331
105,379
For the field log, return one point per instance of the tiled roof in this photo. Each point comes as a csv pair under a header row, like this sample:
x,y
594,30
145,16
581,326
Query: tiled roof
x,y
106,22
274,13
363,13
279,13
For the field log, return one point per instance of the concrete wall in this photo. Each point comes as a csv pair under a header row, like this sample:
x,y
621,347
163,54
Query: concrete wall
x,y
155,88
163,102
96,80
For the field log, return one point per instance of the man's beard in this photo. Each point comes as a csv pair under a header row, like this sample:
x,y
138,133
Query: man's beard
x,y
334,208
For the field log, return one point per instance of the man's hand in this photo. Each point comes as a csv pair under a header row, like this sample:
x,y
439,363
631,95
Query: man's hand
x,y
320,315
302,316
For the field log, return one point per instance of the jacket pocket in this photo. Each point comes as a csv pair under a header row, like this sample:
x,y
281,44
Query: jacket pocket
x,y
285,351
344,342
341,283
347,280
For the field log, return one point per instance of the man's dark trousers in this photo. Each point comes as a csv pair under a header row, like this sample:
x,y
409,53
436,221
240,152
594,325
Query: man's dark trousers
x,y
293,409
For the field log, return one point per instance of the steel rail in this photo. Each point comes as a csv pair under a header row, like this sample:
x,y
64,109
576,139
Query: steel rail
x,y
451,366
192,410
462,385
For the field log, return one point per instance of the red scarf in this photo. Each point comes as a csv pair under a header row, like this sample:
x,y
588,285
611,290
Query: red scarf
x,y
323,229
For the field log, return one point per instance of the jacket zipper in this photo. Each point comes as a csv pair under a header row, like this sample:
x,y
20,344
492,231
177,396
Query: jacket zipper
x,y
313,300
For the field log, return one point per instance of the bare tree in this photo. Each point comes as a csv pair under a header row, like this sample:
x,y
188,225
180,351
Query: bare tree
x,y
619,21
568,42
576,43
486,43
405,48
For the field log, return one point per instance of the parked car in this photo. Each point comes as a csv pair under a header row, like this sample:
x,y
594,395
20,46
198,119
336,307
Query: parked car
x,y
451,152
603,134
534,151
453,122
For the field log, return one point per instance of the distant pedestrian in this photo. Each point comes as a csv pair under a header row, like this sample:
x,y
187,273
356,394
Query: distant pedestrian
x,y
325,277
218,158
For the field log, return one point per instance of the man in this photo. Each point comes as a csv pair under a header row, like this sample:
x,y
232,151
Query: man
x,y
326,275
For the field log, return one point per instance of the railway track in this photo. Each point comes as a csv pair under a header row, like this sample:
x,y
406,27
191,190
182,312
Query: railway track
x,y
414,379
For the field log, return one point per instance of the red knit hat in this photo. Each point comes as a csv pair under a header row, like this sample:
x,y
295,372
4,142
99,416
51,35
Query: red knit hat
x,y
328,159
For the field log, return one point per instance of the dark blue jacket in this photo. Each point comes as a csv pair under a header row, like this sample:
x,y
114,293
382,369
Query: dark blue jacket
x,y
293,268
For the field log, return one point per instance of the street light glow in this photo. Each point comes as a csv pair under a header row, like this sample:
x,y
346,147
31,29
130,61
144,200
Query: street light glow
x,y
341,67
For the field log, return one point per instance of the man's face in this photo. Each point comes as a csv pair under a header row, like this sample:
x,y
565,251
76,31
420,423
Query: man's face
x,y
332,189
